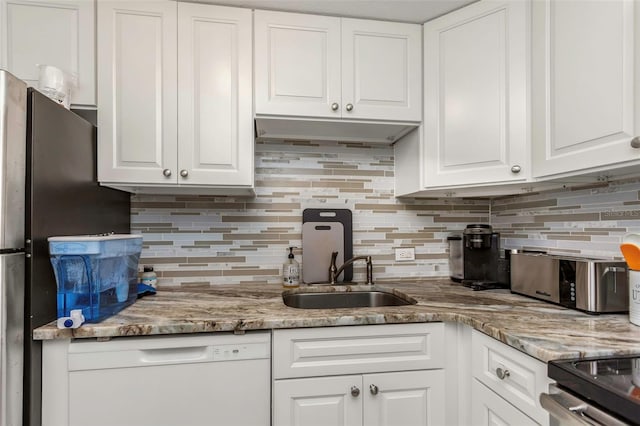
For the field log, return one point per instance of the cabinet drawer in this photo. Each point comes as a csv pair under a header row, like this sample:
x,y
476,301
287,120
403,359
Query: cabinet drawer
x,y
360,349
523,377
487,408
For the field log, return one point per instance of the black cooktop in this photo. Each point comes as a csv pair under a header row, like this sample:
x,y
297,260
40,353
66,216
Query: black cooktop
x,y
611,383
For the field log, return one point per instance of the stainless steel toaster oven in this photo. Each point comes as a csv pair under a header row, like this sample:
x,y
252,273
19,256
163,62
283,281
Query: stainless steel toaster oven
x,y
590,285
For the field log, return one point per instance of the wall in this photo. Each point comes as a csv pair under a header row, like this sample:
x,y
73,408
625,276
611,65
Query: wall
x,y
588,221
202,240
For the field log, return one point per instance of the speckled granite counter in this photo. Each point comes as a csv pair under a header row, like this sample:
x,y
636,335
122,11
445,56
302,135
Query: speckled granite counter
x,y
540,329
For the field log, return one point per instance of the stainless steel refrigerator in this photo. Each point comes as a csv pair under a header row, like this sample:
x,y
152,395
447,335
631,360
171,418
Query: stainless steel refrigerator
x,y
48,187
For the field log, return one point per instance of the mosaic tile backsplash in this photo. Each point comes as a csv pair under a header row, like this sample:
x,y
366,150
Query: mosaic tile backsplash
x,y
198,241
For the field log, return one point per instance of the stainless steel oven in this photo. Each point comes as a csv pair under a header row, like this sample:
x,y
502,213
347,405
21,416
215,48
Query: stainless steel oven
x,y
594,391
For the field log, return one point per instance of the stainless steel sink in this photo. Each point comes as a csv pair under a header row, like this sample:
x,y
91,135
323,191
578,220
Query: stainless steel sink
x,y
345,299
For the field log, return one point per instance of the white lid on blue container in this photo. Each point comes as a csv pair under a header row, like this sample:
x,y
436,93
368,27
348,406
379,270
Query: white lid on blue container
x,y
93,237
105,245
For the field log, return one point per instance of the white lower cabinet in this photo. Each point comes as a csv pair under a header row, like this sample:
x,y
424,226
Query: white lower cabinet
x,y
506,384
401,380
401,398
490,409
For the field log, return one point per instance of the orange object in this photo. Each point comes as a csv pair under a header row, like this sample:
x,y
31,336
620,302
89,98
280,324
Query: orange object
x,y
631,253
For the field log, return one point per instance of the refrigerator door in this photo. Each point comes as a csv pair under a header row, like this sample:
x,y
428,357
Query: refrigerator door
x,y
63,198
11,338
13,116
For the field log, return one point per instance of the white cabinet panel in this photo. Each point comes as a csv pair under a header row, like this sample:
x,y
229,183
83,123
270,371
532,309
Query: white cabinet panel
x,y
137,109
476,85
488,409
413,398
585,85
297,62
381,70
215,126
358,349
513,375
54,32
326,67
175,97
318,401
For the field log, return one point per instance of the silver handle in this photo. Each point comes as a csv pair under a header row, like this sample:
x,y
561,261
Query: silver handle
x,y
516,169
166,173
635,142
334,106
355,391
349,107
502,373
571,411
374,389
184,173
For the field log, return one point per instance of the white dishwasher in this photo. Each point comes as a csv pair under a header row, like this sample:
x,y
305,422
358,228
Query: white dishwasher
x,y
213,379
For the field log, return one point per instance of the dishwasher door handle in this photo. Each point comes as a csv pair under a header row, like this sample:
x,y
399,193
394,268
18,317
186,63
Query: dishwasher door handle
x,y
571,411
175,355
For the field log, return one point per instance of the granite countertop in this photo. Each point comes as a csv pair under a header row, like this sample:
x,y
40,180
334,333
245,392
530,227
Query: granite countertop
x,y
540,329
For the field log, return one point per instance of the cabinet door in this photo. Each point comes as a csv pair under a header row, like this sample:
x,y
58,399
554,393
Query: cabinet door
x,y
476,94
488,409
318,401
585,80
137,106
381,70
215,127
405,398
53,32
297,64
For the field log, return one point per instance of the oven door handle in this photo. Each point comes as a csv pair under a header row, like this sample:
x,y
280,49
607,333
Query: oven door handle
x,y
571,411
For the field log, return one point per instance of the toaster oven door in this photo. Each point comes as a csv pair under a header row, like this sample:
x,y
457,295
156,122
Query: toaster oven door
x,y
535,275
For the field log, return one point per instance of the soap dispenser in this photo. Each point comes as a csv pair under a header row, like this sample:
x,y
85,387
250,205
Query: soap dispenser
x,y
291,272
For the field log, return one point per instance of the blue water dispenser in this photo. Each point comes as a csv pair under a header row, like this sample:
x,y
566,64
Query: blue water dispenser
x,y
97,275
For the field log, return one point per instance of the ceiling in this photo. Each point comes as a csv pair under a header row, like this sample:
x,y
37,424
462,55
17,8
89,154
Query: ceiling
x,y
416,11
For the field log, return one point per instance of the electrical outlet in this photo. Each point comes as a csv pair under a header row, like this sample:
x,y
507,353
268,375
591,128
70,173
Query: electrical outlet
x,y
407,253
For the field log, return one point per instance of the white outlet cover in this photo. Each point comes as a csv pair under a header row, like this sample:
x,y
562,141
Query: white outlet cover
x,y
405,254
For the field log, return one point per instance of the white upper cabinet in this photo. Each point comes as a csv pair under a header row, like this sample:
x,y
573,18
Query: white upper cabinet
x,y
215,111
476,92
586,85
175,92
137,108
51,32
297,63
326,67
381,65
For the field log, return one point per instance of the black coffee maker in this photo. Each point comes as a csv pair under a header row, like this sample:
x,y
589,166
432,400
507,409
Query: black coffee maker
x,y
484,264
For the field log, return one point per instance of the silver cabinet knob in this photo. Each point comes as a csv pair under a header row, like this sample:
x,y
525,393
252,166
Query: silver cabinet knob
x,y
355,391
184,173
502,373
516,169
166,173
374,389
334,106
635,142
349,107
